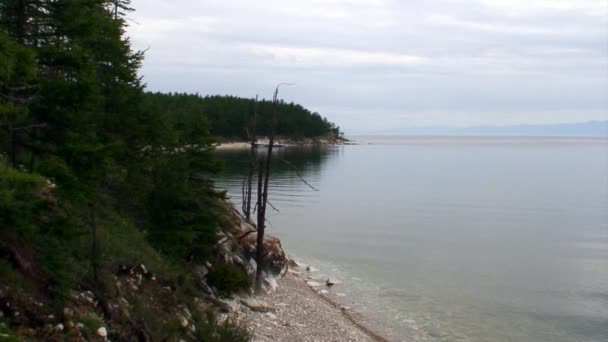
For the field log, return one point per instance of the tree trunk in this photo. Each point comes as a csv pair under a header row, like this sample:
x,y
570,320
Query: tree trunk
x,y
259,257
263,199
94,245
252,163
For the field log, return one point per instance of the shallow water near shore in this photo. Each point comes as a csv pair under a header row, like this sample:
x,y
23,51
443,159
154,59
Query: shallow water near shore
x,y
451,239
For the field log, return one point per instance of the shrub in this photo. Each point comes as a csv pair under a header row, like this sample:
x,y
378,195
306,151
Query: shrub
x,y
227,278
228,331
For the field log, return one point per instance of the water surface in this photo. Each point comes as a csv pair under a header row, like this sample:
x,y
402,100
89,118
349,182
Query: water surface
x,y
452,239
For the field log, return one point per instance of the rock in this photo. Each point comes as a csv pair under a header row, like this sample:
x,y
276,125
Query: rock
x,y
311,269
187,313
201,271
323,292
143,269
27,332
294,272
68,313
331,282
313,283
251,267
345,308
271,315
275,261
102,332
183,321
59,327
292,262
255,305
270,284
207,289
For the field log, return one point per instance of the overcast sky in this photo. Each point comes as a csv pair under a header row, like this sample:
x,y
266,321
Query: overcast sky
x,y
372,65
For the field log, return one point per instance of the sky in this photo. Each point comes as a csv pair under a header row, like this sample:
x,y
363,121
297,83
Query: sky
x,y
377,65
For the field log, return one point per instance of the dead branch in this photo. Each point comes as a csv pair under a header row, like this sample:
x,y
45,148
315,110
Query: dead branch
x,y
297,172
273,207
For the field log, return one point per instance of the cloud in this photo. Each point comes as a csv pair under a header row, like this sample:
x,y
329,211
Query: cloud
x,y
433,61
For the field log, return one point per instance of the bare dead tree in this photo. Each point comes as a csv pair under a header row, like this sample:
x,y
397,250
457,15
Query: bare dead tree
x,y
264,175
252,164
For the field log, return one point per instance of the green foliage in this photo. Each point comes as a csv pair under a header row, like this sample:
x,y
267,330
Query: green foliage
x,y
228,331
17,70
6,334
184,212
231,117
10,275
227,278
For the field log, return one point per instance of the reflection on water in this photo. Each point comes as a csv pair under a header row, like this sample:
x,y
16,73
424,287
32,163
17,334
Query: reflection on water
x,y
289,164
446,240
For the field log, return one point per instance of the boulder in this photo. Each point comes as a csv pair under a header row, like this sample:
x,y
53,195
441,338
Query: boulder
x,y
255,304
274,259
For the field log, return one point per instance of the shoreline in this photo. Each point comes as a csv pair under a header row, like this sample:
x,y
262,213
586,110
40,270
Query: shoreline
x,y
293,306
347,313
298,312
237,145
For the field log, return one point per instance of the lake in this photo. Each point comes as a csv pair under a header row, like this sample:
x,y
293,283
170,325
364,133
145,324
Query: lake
x,y
451,239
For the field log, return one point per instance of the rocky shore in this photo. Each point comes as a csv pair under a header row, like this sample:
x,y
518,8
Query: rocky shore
x,y
295,306
236,145
295,312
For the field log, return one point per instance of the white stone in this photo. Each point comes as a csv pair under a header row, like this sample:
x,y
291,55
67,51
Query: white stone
x,y
255,304
183,322
59,327
271,284
313,283
102,332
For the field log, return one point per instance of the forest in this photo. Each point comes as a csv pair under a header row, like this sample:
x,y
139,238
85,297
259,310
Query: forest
x,y
230,117
96,174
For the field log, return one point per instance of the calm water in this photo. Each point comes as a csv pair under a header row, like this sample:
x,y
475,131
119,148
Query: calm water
x,y
452,239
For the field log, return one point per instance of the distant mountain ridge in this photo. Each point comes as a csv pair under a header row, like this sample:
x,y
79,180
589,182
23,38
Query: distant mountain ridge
x,y
579,129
